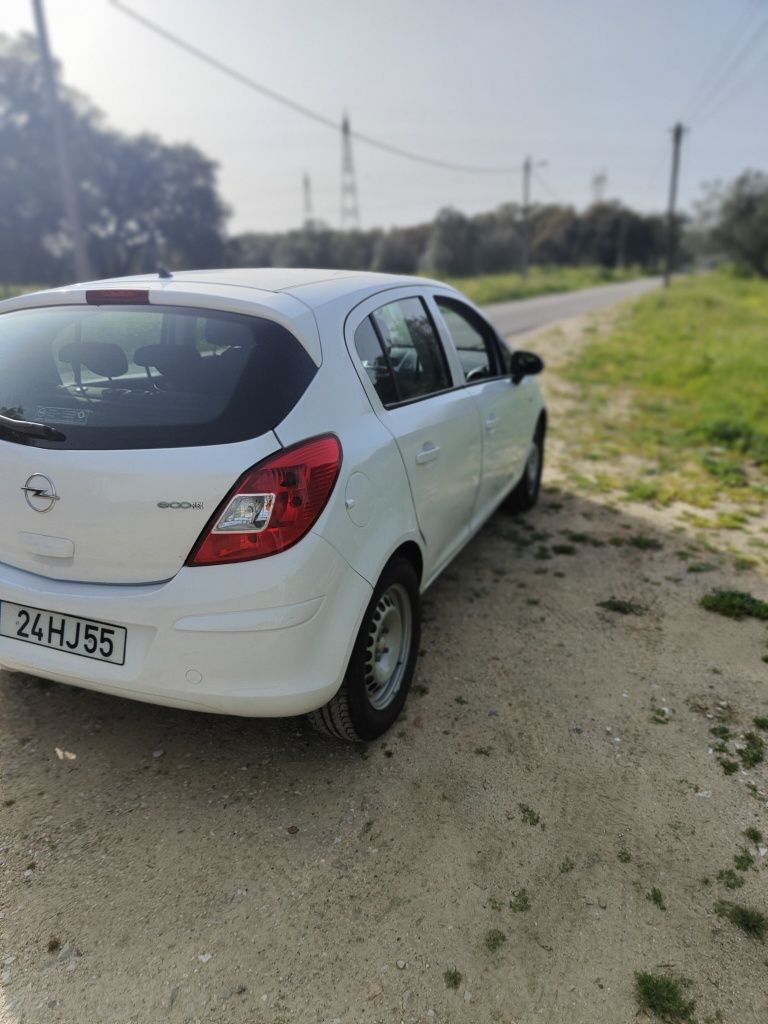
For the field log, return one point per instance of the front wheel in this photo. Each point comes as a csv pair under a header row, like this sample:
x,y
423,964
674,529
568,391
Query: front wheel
x,y
383,659
526,492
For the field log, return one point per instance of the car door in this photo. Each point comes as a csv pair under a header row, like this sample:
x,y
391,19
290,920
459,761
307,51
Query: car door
x,y
505,408
436,426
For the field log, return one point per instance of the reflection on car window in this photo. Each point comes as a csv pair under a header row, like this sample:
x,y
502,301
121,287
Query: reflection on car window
x,y
375,362
412,349
472,339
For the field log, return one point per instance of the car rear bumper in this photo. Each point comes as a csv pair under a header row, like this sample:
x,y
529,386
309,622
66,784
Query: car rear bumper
x,y
265,638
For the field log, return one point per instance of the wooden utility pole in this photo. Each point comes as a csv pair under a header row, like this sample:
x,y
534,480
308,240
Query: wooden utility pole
x,y
677,138
527,164
63,159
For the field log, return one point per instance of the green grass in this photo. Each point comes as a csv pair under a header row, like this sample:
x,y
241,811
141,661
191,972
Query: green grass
x,y
8,291
520,902
529,816
540,281
494,940
656,896
735,604
663,995
693,362
753,922
743,860
452,978
621,607
729,878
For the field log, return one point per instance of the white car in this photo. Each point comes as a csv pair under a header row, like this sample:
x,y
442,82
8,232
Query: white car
x,y
226,490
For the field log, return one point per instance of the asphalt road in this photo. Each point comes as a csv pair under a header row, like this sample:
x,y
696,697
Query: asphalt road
x,y
529,314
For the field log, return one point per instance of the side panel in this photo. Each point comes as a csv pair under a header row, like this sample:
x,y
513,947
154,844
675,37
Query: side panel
x,y
370,513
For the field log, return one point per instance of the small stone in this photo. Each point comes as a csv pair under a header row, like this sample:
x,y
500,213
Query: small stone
x,y
157,753
467,996
205,957
401,965
430,1014
407,999
292,830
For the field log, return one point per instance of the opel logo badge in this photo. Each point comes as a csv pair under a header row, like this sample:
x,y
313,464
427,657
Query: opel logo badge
x,y
40,493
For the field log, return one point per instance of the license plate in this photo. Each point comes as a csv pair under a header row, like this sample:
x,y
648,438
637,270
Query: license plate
x,y
84,637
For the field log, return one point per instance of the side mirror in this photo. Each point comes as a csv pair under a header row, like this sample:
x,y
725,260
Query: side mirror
x,y
525,364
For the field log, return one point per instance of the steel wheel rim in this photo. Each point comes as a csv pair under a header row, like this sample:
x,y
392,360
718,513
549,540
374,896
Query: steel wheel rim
x,y
388,647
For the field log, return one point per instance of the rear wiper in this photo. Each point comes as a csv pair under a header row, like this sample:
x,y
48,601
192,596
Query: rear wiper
x,y
26,428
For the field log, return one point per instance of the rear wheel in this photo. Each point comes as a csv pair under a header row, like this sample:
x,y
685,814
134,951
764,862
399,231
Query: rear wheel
x,y
381,668
526,492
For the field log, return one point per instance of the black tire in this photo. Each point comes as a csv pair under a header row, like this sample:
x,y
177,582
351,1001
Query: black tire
x,y
364,708
526,492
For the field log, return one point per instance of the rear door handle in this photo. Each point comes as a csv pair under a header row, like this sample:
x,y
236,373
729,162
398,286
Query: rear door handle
x,y
428,454
491,422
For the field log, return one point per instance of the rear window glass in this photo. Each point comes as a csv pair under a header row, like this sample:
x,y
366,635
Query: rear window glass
x,y
153,377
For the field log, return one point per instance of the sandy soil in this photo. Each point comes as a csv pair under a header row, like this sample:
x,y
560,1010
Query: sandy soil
x,y
165,866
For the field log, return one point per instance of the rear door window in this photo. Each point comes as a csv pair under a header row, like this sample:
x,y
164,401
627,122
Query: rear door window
x,y
409,362
154,377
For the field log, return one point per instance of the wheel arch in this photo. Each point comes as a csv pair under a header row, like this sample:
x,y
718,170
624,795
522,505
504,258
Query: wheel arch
x,y
411,552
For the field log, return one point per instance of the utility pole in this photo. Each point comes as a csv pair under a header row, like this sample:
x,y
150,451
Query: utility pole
x,y
526,213
63,159
309,220
599,182
528,166
350,210
677,137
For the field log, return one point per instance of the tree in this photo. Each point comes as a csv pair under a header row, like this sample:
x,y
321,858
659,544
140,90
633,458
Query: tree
x,y
451,246
742,221
142,201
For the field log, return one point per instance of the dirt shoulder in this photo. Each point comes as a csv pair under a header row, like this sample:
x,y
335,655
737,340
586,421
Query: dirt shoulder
x,y
554,766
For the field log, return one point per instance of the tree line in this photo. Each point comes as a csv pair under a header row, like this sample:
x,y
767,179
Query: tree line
x,y
146,202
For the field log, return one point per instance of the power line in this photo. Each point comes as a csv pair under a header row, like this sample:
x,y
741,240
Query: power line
x,y
546,186
740,87
299,108
733,38
728,70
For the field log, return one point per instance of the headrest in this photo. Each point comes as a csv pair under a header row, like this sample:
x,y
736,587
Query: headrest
x,y
170,360
103,358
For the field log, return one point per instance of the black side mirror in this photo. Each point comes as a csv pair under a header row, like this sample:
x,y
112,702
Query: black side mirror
x,y
525,364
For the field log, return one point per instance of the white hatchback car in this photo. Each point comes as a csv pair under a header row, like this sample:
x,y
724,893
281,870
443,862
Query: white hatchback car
x,y
226,490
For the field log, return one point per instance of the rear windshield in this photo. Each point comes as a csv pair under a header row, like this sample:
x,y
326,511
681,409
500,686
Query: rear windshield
x,y
152,377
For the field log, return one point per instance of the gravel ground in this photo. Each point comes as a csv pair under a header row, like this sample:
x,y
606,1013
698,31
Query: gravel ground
x,y
554,765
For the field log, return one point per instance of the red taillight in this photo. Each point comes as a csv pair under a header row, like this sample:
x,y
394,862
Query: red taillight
x,y
117,297
273,505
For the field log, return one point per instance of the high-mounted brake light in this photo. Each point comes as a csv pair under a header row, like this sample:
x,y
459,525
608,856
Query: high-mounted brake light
x,y
273,505
117,297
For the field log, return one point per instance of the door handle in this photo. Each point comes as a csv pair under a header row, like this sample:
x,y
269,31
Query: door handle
x,y
427,454
491,422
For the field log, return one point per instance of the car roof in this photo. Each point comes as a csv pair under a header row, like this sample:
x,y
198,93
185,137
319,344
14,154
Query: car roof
x,y
312,287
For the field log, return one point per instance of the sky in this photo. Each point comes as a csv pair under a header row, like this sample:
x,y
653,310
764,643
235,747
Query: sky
x,y
587,86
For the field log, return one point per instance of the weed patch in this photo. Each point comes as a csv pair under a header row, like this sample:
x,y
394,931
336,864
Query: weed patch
x,y
529,816
494,940
752,922
664,996
645,543
656,897
452,978
520,902
735,604
730,879
753,751
621,607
